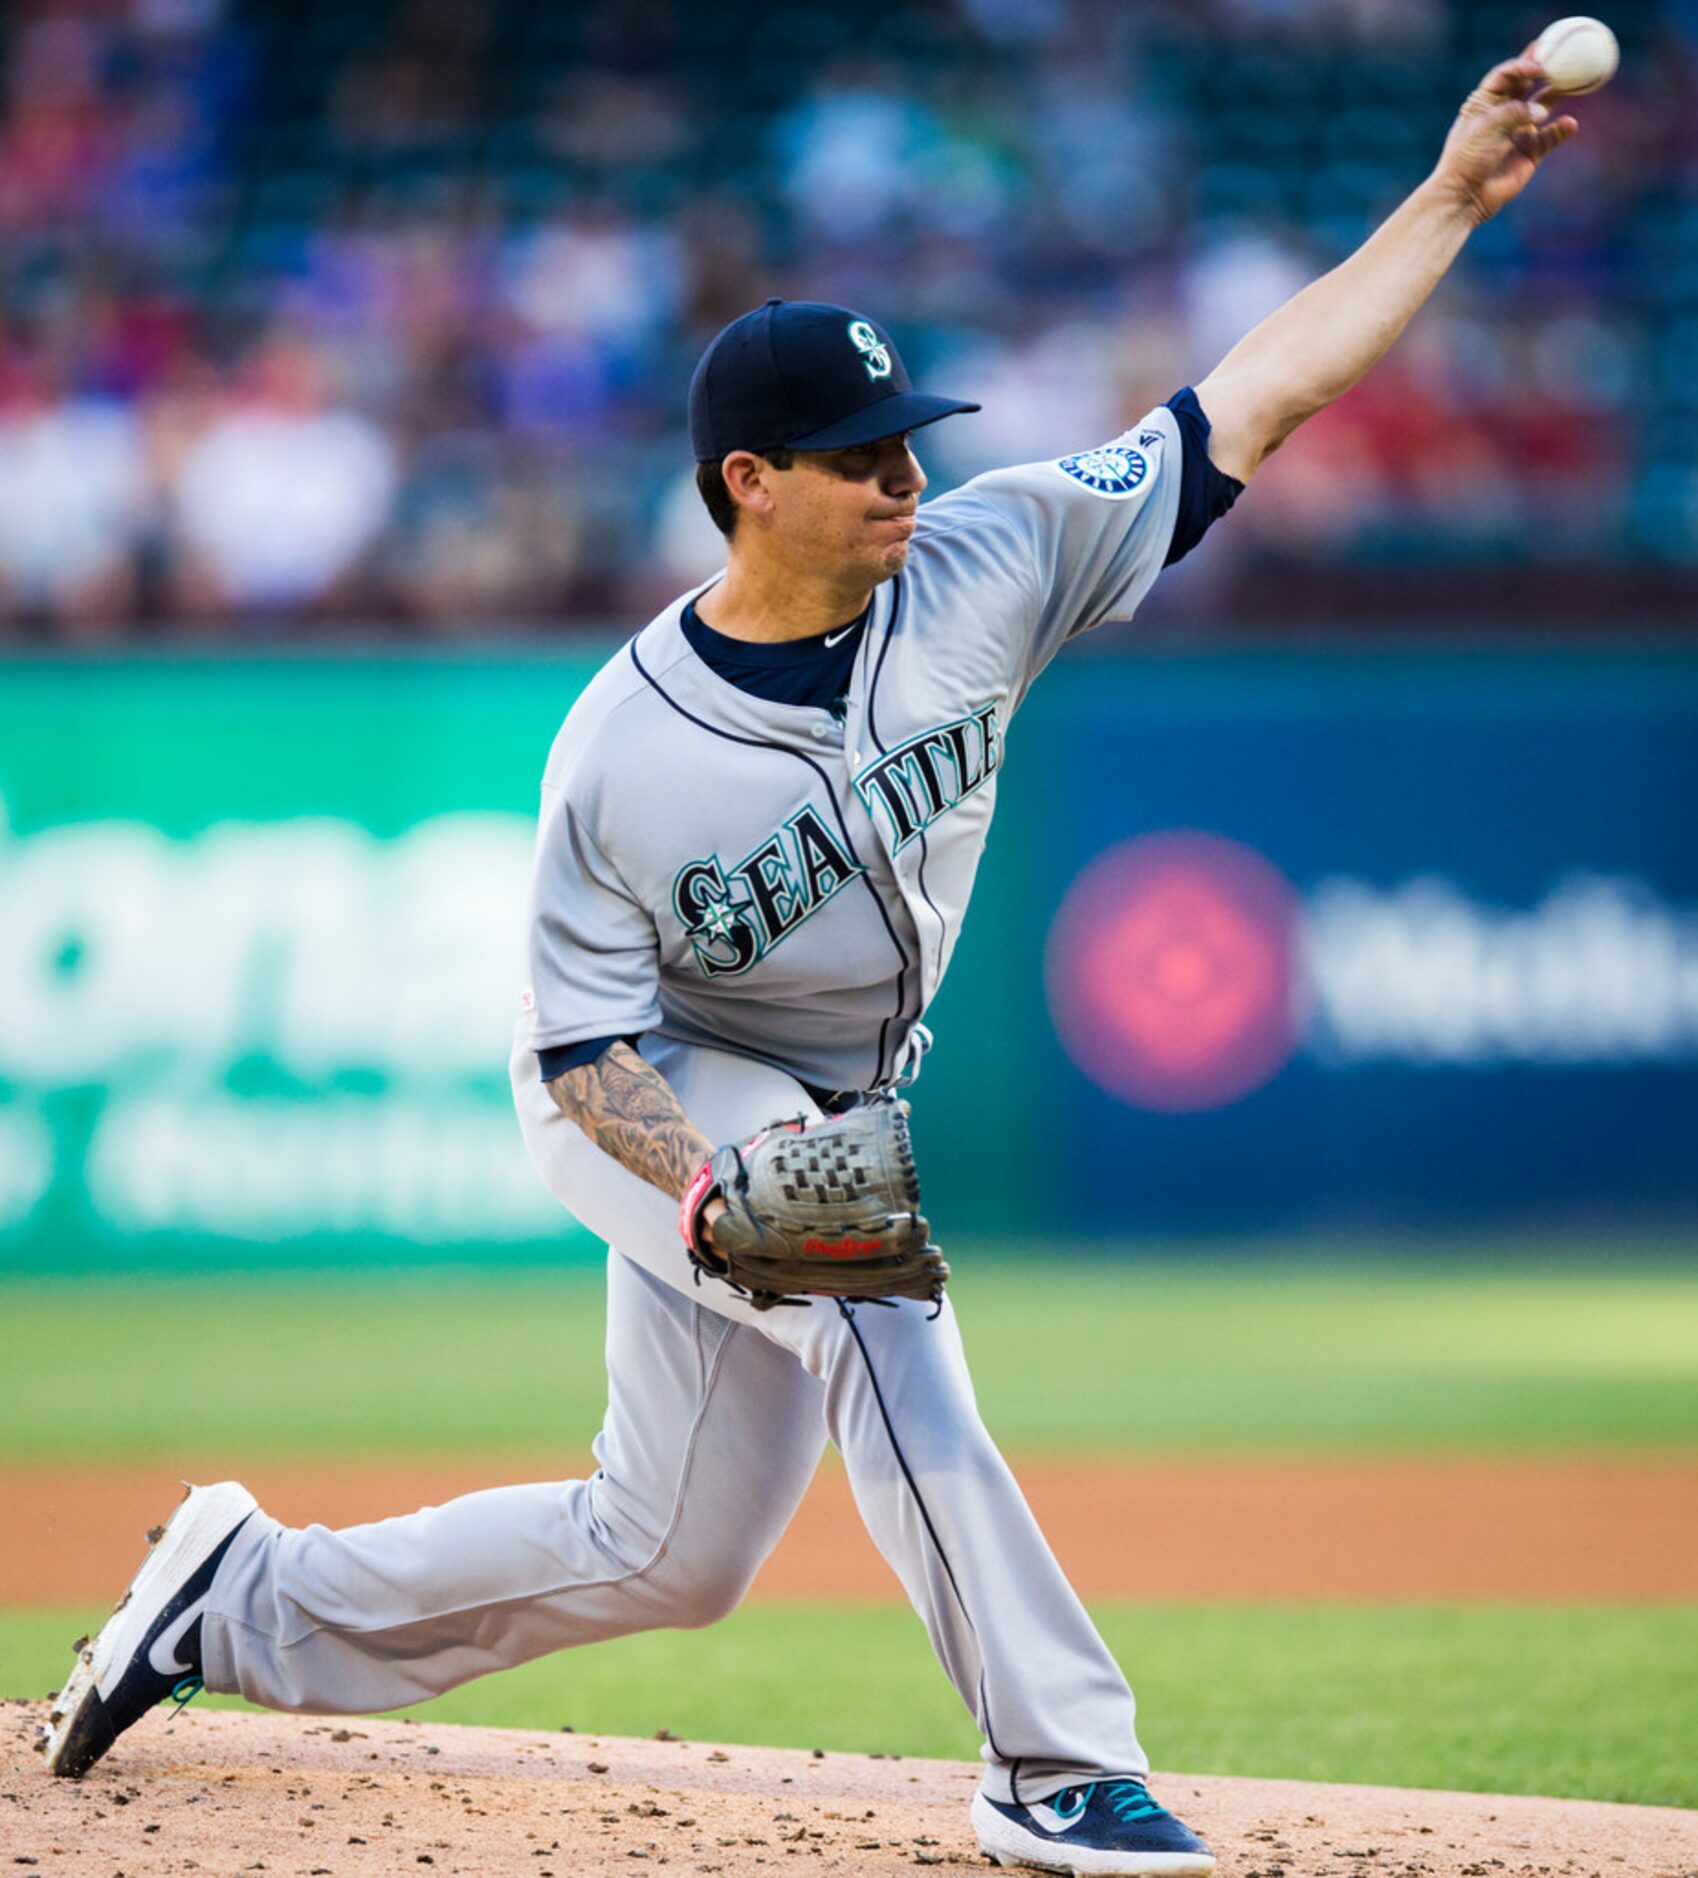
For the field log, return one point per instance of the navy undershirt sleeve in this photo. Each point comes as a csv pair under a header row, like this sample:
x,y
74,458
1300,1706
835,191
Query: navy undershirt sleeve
x,y
1205,492
567,1056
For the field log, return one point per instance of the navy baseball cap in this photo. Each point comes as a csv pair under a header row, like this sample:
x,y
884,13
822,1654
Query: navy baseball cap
x,y
807,376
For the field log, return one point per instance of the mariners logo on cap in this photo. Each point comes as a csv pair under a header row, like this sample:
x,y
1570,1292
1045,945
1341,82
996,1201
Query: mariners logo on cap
x,y
1113,471
875,354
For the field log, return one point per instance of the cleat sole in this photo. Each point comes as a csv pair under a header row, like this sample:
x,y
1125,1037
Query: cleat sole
x,y
80,1729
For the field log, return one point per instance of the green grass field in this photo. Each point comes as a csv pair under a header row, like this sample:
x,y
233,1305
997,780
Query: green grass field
x,y
1210,1355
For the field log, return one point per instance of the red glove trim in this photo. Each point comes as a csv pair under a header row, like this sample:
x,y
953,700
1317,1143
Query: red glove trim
x,y
695,1198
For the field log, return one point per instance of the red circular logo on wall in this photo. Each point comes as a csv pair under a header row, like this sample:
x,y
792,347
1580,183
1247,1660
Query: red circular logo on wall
x,y
1169,971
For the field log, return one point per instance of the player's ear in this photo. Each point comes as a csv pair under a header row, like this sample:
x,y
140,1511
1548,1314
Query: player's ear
x,y
748,481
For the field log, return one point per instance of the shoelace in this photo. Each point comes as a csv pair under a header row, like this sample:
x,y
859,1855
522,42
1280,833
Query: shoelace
x,y
183,1693
1131,1801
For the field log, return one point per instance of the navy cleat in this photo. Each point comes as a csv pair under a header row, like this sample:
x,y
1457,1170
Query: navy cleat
x,y
1109,1826
149,1648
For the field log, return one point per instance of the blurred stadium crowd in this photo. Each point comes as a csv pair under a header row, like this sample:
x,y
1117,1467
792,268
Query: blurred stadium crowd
x,y
384,310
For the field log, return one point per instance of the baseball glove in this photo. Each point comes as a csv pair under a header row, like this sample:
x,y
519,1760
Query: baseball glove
x,y
826,1209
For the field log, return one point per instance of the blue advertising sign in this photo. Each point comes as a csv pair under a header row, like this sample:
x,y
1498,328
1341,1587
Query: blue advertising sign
x,y
1390,941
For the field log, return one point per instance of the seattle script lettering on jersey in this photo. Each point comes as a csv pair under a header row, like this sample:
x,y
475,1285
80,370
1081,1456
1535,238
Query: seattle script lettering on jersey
x,y
912,787
734,916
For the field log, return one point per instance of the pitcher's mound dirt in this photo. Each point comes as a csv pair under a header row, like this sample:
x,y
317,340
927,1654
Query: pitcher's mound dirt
x,y
223,1793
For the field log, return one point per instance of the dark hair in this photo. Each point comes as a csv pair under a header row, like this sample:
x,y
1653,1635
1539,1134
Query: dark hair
x,y
710,481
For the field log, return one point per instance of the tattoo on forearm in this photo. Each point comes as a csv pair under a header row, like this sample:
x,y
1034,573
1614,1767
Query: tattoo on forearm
x,y
629,1111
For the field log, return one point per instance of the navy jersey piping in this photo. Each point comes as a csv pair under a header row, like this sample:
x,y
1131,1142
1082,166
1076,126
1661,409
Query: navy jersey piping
x,y
878,669
897,595
896,599
758,743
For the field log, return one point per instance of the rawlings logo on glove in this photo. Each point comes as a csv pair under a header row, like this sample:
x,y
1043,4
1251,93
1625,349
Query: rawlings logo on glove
x,y
825,1209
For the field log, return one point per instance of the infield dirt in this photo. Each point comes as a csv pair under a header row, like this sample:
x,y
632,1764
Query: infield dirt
x,y
1528,1527
225,1793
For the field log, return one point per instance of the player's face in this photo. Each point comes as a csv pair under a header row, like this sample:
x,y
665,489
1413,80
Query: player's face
x,y
852,510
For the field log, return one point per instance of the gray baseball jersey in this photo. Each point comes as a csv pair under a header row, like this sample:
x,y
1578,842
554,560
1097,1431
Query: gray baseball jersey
x,y
776,881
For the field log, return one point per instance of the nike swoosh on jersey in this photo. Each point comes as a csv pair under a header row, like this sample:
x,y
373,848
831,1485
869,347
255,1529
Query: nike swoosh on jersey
x,y
832,639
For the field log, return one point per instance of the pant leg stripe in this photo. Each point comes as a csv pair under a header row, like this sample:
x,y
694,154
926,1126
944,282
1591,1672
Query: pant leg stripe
x,y
925,1514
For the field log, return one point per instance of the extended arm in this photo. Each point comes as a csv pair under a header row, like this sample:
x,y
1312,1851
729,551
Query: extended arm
x,y
628,1110
1324,339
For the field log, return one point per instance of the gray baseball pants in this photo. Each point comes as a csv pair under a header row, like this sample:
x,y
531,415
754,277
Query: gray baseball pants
x,y
717,1417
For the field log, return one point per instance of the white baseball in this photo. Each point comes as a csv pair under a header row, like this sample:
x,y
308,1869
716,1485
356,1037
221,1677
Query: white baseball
x,y
1578,55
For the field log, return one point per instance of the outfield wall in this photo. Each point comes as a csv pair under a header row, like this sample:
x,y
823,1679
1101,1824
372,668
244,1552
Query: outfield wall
x,y
1261,943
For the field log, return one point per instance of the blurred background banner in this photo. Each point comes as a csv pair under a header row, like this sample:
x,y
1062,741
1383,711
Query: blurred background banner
x,y
260,960
1271,943
1391,940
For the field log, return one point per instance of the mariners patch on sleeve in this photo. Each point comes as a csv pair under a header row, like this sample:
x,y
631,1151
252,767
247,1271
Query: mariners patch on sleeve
x,y
1113,472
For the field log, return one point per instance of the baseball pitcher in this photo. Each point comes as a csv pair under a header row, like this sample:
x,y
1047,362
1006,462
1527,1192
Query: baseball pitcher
x,y
760,828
